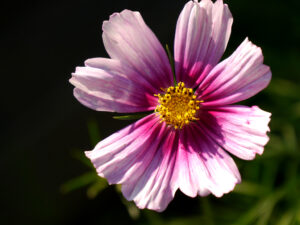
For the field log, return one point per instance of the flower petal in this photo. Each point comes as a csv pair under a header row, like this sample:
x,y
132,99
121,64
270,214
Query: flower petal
x,y
202,34
127,38
109,88
237,78
153,187
116,66
241,130
140,157
202,166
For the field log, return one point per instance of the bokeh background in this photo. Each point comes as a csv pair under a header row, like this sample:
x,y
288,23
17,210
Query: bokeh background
x,y
44,177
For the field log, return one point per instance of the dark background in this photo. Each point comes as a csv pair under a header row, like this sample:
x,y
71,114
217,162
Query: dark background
x,y
44,128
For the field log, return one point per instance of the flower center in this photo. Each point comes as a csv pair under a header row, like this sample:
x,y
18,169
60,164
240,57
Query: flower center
x,y
178,105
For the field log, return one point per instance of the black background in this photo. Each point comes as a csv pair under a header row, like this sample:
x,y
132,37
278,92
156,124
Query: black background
x,y
41,44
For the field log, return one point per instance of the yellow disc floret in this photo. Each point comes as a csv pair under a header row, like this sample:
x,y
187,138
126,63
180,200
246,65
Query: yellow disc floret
x,y
178,105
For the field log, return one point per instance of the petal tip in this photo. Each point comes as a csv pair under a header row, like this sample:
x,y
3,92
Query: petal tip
x,y
88,154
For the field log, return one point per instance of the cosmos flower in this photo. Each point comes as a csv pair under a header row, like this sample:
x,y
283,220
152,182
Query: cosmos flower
x,y
192,126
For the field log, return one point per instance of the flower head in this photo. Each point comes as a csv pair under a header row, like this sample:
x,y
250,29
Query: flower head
x,y
178,106
183,143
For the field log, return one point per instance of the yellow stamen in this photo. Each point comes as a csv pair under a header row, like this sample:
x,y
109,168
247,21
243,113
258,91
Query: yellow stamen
x,y
178,106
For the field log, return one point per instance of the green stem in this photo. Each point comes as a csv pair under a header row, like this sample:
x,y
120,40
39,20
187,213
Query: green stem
x,y
130,117
171,60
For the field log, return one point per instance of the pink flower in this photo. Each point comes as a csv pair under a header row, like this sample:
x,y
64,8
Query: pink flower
x,y
183,143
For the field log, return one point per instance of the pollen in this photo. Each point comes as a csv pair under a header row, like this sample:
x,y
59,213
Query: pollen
x,y
178,106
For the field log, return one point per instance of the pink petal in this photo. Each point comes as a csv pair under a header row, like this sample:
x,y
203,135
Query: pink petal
x,y
116,66
241,130
112,87
202,166
153,187
237,78
202,34
127,38
140,157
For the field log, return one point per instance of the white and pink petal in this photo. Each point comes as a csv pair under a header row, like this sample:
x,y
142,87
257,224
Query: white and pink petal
x,y
240,130
237,78
202,166
122,69
141,158
110,88
153,188
127,38
202,34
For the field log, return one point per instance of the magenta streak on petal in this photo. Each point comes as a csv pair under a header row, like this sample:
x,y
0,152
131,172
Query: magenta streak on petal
x,y
154,189
101,104
127,38
237,78
241,130
106,149
133,153
106,90
217,169
141,160
202,34
188,175
117,67
191,42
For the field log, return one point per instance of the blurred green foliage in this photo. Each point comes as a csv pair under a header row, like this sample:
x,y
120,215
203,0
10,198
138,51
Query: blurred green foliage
x,y
46,178
270,190
268,194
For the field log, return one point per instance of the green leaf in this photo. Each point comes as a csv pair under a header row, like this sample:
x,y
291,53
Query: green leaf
x,y
290,138
284,88
171,60
133,211
207,211
286,218
97,187
262,210
79,155
79,182
250,189
130,117
94,132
